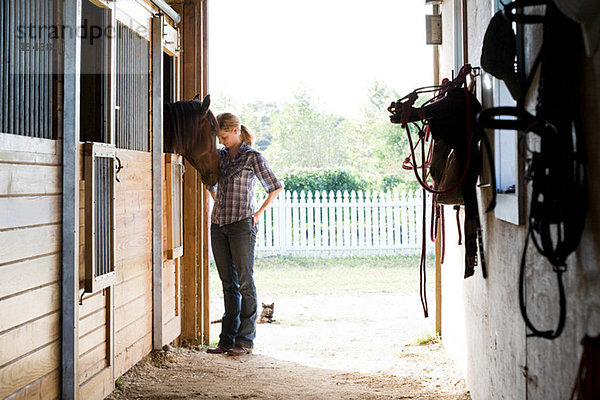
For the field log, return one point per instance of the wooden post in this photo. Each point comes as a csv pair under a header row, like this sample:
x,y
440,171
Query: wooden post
x,y
205,269
188,262
438,243
205,204
189,323
194,271
465,34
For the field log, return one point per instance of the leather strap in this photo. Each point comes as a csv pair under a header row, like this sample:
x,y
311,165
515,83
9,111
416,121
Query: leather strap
x,y
547,334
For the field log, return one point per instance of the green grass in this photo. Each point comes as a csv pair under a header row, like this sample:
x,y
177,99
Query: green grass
x,y
328,276
428,338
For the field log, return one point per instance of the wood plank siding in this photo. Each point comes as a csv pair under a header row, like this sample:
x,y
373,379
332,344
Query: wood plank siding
x,y
171,267
132,303
50,346
30,224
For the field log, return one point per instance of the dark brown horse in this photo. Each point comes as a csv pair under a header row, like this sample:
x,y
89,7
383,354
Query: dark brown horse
x,y
191,129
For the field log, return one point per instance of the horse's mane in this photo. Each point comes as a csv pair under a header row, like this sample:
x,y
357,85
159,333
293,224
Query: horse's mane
x,y
181,119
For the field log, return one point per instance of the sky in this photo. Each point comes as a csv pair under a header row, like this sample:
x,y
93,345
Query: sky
x,y
335,49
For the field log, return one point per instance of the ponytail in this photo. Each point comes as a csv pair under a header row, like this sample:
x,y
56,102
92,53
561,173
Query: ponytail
x,y
247,135
228,121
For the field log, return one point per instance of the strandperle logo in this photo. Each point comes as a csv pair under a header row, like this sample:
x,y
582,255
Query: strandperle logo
x,y
89,32
40,44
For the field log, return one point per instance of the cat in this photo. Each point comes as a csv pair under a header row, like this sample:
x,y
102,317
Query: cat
x,y
266,315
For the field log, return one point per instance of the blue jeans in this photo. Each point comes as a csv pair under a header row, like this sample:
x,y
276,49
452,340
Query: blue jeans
x,y
233,250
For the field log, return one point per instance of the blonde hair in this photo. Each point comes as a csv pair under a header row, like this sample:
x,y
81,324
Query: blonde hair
x,y
228,121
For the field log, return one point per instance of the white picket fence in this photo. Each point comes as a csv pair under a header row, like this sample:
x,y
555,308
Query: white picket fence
x,y
344,224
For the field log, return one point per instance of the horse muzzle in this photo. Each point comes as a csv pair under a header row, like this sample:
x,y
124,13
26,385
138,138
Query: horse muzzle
x,y
210,179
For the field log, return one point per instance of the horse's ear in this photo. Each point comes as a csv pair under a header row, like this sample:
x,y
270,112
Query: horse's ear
x,y
206,103
197,98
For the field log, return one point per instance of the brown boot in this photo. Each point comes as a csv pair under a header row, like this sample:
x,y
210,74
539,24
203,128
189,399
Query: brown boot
x,y
238,350
217,350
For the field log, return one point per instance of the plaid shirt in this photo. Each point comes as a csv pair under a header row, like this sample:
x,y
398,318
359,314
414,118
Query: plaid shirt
x,y
235,189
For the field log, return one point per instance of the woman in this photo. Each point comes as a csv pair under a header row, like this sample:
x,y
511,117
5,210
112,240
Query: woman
x,y
233,231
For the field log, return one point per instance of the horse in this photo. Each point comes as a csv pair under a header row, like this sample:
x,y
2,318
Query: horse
x,y
191,129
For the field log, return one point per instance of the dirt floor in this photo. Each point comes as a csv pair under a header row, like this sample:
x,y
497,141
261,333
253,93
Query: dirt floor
x,y
320,347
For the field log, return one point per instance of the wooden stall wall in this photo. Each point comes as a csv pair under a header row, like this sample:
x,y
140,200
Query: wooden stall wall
x,y
30,261
171,299
133,289
171,190
132,297
171,264
115,324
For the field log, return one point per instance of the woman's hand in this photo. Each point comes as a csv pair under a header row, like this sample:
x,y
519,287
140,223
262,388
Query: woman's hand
x,y
270,197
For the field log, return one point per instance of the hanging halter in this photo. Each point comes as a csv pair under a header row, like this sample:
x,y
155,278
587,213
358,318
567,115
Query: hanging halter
x,y
404,112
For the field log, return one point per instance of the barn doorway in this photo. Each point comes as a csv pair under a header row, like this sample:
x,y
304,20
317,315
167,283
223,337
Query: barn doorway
x,y
313,81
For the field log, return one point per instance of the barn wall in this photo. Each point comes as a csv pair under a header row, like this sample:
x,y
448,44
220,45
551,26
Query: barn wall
x,y
30,234
131,300
133,324
114,326
170,275
482,326
582,281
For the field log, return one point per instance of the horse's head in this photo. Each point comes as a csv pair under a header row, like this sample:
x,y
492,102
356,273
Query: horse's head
x,y
191,130
208,160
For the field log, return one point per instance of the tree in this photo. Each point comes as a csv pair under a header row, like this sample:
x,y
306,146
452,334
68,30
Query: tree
x,y
305,138
388,143
296,136
256,115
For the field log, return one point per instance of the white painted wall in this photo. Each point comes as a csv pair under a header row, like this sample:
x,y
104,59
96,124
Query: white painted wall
x,y
482,327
